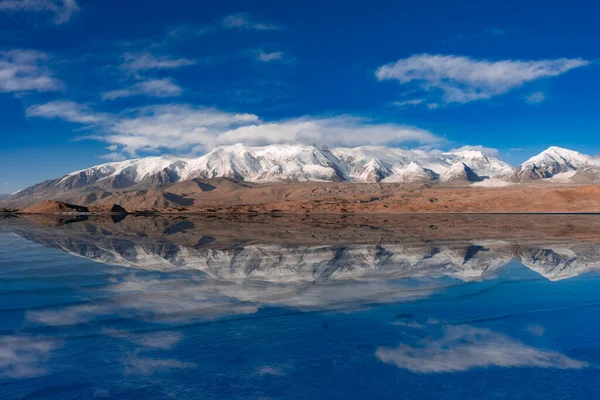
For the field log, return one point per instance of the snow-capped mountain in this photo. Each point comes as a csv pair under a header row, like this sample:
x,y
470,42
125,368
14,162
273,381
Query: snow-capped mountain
x,y
288,162
551,162
459,173
298,163
483,165
413,173
587,173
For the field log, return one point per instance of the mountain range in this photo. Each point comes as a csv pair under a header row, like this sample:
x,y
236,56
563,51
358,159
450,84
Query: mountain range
x,y
301,163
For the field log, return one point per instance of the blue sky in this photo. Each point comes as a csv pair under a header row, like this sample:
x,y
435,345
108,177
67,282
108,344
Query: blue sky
x,y
84,82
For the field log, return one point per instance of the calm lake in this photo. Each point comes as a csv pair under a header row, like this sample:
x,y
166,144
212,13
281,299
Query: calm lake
x,y
292,307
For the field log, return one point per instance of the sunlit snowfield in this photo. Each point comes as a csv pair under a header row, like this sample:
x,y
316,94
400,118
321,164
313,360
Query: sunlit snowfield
x,y
167,308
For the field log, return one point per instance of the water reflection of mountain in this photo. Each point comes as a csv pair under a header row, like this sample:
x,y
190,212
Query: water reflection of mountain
x,y
329,249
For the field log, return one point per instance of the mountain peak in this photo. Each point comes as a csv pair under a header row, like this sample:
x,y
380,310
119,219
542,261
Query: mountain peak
x,y
459,173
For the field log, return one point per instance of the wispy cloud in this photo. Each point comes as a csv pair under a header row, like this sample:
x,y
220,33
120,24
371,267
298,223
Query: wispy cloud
x,y
463,79
407,103
153,88
146,61
247,21
462,348
26,70
62,10
114,155
268,57
536,98
495,31
68,111
184,127
239,21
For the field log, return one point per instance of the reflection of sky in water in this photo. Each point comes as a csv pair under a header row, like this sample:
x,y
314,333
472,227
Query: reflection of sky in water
x,y
451,323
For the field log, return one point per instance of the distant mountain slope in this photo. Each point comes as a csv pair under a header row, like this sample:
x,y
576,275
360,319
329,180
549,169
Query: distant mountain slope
x,y
553,161
460,173
302,163
275,163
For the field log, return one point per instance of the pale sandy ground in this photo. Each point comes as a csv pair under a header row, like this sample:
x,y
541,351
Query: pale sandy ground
x,y
229,197
371,198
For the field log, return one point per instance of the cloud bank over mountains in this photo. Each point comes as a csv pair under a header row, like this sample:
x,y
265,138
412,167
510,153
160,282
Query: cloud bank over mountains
x,y
199,129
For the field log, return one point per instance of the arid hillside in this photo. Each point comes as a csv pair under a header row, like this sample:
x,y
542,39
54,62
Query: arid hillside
x,y
230,196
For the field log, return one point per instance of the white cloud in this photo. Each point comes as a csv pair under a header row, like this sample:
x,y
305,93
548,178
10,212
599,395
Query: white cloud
x,y
62,10
463,79
488,151
342,130
24,71
154,88
146,61
268,57
405,103
177,127
114,156
183,127
68,111
536,97
414,103
462,348
246,21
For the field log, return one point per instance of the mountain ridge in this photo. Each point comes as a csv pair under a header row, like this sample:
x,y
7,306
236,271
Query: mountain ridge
x,y
169,182
274,163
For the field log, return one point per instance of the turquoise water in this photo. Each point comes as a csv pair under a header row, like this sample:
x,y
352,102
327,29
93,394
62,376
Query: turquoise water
x,y
90,313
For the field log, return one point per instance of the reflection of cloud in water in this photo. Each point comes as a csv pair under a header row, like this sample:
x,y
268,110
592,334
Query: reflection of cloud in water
x,y
67,315
536,330
463,347
175,300
25,357
147,366
154,340
271,370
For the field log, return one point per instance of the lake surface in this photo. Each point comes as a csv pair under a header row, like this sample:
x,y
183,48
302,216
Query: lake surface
x,y
381,307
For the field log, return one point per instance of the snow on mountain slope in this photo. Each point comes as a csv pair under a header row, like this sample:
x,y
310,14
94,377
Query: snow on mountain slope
x,y
373,163
286,162
588,173
553,161
263,164
413,173
460,173
483,165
